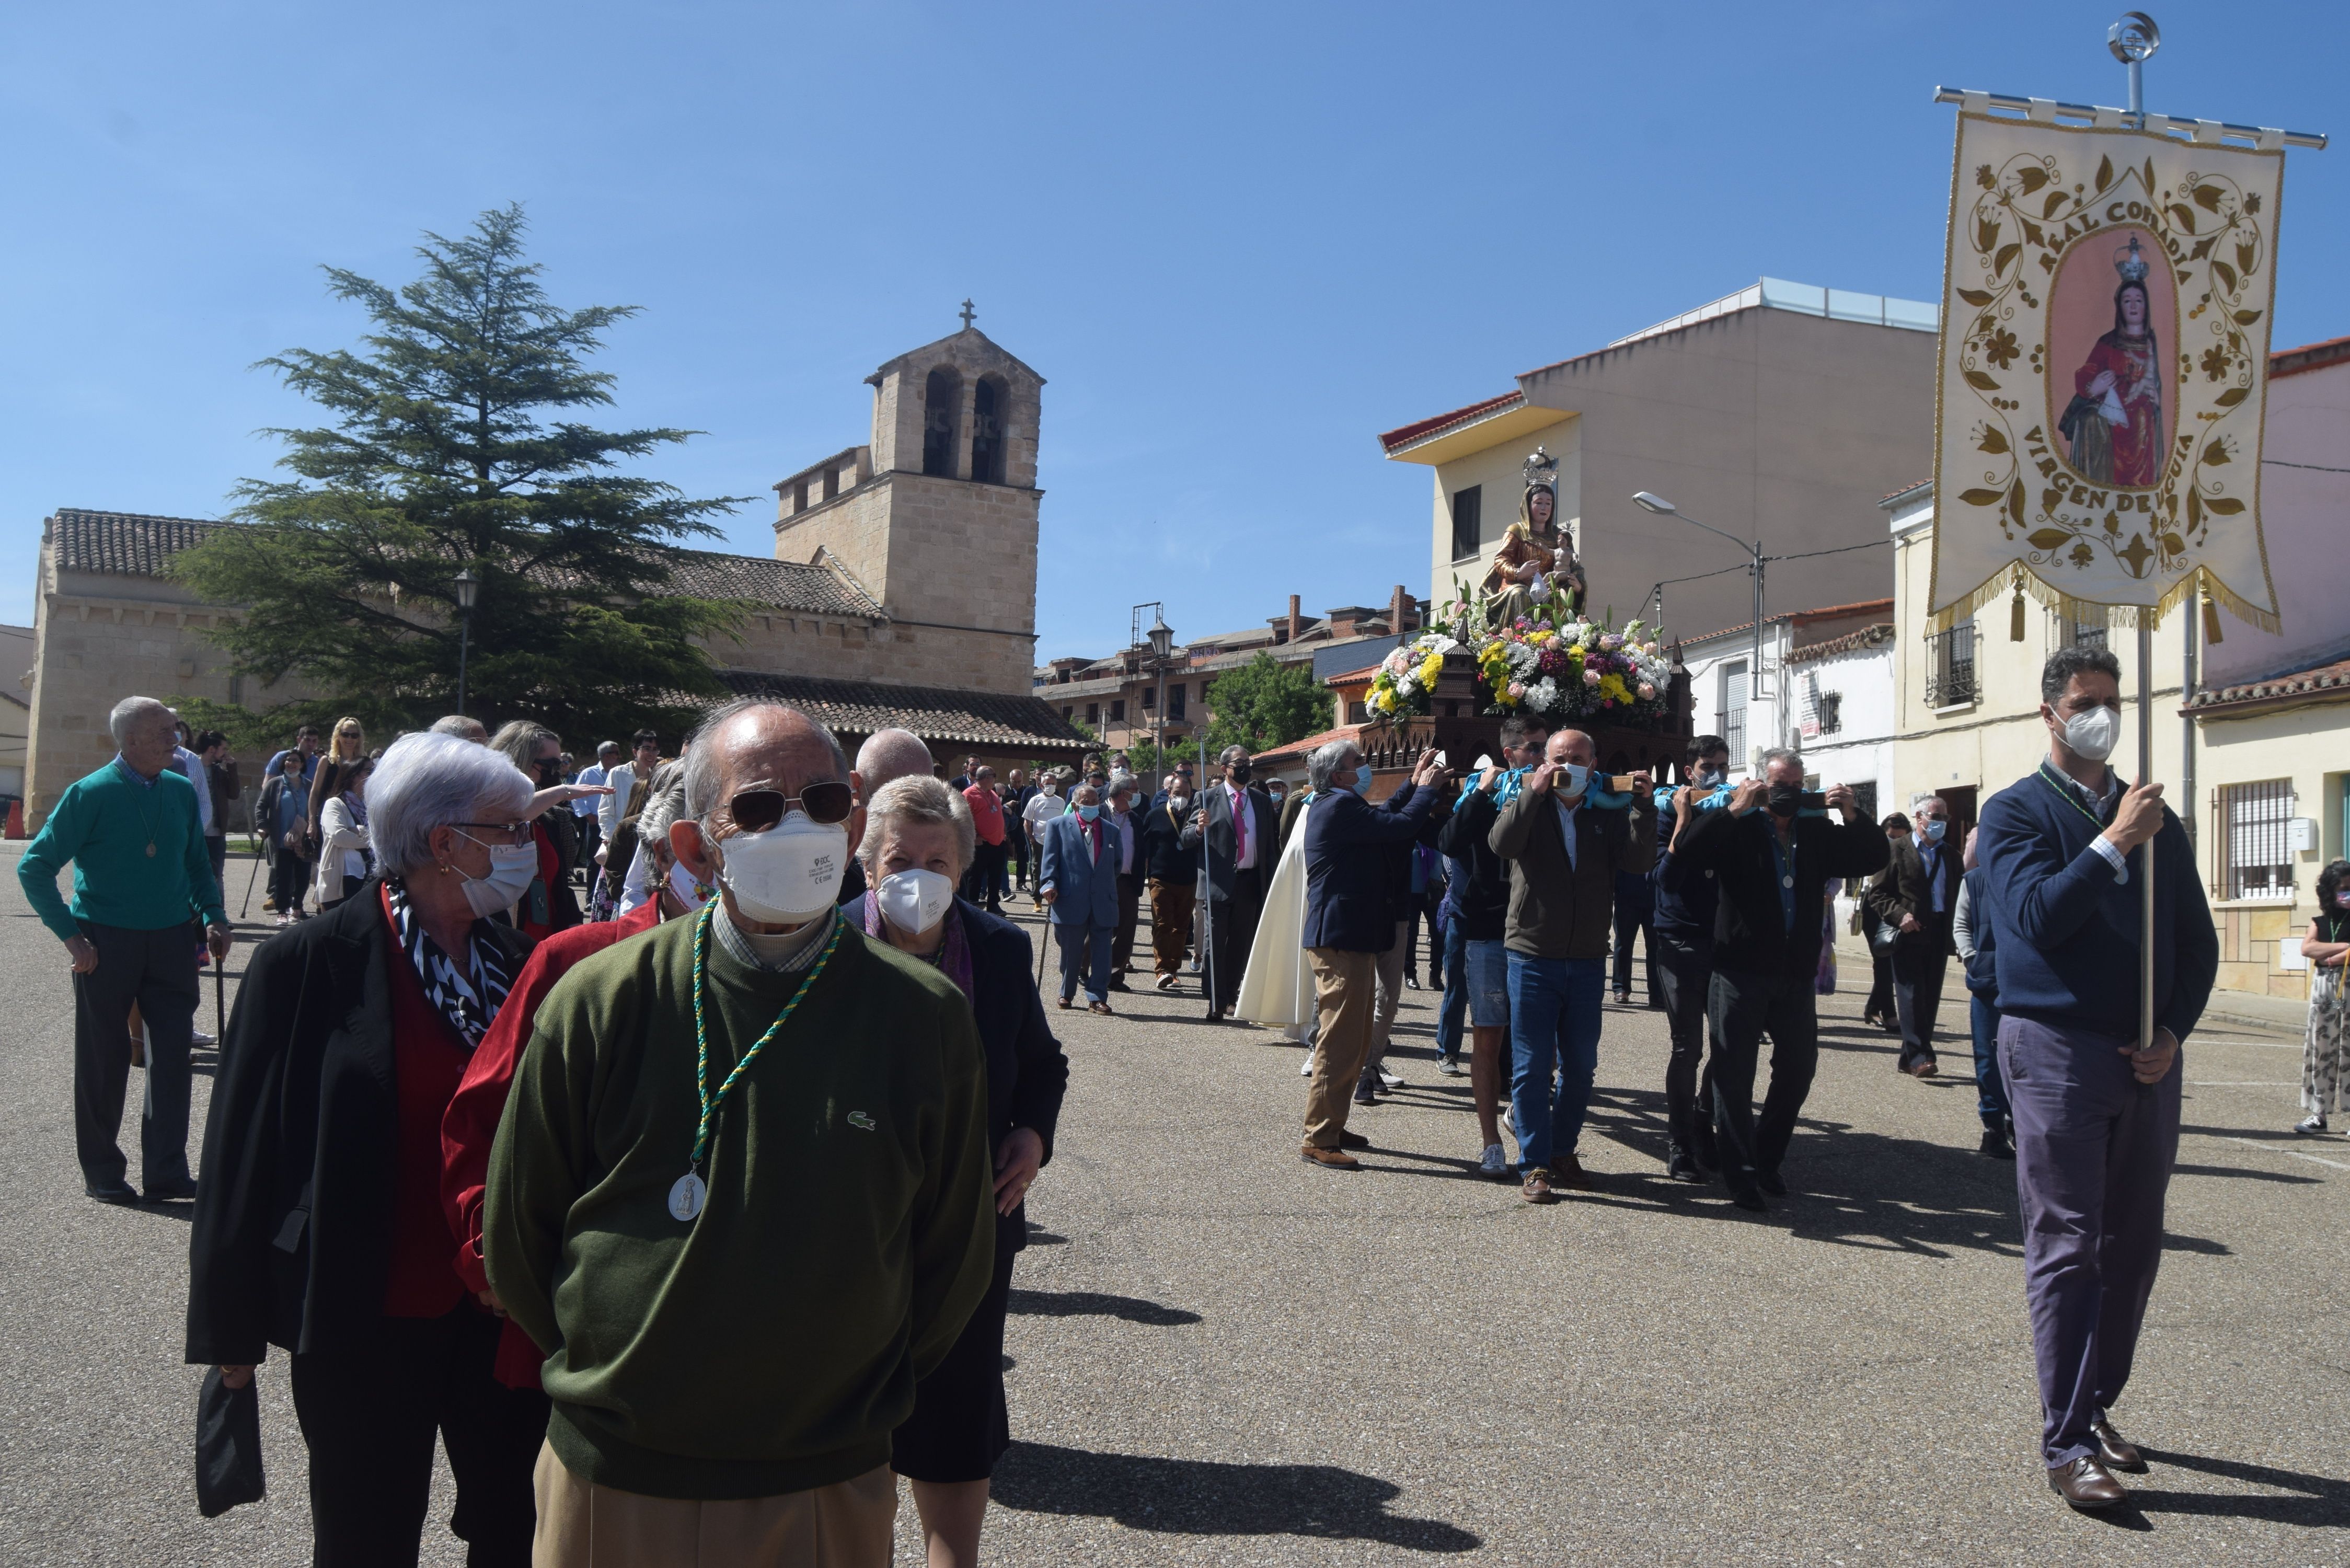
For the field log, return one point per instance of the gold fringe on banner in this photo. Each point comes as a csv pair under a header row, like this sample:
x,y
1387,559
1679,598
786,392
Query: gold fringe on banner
x,y
2087,612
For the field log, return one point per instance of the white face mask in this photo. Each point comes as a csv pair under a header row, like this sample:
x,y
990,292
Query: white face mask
x,y
1572,778
681,883
1179,802
2092,734
915,900
788,874
512,865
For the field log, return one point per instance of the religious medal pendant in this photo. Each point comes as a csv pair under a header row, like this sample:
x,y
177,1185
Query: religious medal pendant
x,y
1786,881
151,849
688,1197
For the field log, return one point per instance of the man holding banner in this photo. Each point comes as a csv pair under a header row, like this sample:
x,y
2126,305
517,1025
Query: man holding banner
x,y
2097,1116
2107,293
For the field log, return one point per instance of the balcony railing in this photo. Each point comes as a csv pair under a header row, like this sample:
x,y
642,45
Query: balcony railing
x,y
1950,668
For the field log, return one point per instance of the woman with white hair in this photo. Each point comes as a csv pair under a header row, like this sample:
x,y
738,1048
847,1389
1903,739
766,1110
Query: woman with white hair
x,y
470,1125
919,840
319,1227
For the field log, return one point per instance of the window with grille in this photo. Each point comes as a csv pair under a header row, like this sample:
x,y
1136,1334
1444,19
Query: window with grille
x,y
1863,795
2089,634
2253,822
1117,712
1733,713
1468,522
1950,667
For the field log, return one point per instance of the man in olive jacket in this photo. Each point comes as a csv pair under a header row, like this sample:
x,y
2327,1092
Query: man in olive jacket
x,y
1564,841
737,1290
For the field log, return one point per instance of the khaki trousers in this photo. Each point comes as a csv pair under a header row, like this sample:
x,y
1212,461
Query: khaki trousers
x,y
1344,985
1387,970
582,1525
1170,922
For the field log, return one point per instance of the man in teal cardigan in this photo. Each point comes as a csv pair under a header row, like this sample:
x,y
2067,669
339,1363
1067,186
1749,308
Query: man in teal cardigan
x,y
140,874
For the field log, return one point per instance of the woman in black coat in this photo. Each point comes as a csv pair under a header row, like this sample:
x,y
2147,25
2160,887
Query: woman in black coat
x,y
919,840
318,1225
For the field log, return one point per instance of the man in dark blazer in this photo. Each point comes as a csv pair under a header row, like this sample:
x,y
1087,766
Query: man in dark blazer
x,y
1243,839
1076,876
1771,864
1350,922
1917,896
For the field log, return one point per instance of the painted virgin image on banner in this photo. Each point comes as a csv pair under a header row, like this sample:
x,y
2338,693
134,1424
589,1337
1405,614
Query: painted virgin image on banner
x,y
2113,309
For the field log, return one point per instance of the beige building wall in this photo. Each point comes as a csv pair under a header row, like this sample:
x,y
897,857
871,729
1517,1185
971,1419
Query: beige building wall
x,y
1759,419
1997,738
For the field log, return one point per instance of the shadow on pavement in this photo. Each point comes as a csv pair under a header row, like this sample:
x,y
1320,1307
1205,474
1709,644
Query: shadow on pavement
x,y
1094,1304
2316,1501
2286,1177
1200,1496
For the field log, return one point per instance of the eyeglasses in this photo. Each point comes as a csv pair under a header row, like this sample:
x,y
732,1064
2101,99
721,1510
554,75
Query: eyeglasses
x,y
757,810
498,831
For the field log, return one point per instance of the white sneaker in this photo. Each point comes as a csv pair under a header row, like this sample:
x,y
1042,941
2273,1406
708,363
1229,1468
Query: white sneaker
x,y
1507,1130
1392,1080
1305,1068
1447,1065
1496,1165
198,1037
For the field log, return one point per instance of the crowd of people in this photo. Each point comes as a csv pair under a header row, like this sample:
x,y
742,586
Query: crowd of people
x,y
498,1164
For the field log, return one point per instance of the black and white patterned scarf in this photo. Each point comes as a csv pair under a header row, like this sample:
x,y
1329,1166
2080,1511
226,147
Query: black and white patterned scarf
x,y
468,996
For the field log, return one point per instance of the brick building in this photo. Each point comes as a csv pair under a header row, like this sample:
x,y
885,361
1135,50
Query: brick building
x,y
1117,696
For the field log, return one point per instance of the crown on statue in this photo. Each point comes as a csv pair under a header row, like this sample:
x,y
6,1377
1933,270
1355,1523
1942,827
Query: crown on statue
x,y
1542,469
2129,263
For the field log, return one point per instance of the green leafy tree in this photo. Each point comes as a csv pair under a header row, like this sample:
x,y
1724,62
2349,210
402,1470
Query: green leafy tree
x,y
456,444
1265,704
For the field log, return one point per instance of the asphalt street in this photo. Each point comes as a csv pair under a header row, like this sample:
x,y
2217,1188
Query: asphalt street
x,y
1221,1355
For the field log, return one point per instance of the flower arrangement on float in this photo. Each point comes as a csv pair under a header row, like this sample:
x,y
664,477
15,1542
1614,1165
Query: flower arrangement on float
x,y
1575,669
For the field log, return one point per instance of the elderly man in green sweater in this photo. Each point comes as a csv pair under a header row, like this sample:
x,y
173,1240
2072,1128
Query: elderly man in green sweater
x,y
741,1193
141,873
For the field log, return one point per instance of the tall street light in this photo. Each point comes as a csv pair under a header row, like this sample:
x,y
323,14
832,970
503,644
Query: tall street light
x,y
1651,501
469,588
1162,644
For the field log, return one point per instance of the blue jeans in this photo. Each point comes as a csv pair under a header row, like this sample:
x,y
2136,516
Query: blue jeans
x,y
1991,1089
1454,1011
1084,948
1553,1028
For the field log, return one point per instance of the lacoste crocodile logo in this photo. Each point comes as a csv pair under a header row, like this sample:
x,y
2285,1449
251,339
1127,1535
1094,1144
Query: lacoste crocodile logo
x,y
859,1119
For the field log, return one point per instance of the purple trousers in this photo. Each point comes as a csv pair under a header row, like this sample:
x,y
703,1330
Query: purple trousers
x,y
2094,1149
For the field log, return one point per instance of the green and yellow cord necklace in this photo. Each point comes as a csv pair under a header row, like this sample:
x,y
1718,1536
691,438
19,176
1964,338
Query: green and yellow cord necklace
x,y
691,1193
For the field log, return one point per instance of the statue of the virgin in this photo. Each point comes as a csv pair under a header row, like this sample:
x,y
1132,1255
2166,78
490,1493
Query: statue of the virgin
x,y
1535,566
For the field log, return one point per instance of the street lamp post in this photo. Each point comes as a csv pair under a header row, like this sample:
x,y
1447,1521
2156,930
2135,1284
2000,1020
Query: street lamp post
x,y
1650,502
1162,643
468,587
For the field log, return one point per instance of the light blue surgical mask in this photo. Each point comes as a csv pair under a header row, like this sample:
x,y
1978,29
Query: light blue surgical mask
x,y
1363,782
1088,812
1930,829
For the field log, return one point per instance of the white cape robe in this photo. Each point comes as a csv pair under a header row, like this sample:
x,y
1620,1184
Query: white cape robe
x,y
1277,988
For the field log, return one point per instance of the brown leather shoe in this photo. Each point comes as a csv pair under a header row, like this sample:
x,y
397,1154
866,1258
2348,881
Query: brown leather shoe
x,y
2086,1484
1064,1002
2114,1451
1567,1172
1329,1159
1534,1187
1353,1140
1100,1007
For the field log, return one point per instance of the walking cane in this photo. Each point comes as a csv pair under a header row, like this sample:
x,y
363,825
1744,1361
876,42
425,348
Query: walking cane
x,y
220,997
246,907
1207,892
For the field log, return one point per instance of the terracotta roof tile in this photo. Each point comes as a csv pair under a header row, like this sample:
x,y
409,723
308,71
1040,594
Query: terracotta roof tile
x,y
2324,680
1404,435
1866,637
935,713
138,544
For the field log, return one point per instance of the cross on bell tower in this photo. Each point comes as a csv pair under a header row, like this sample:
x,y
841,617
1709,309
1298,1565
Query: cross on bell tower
x,y
967,314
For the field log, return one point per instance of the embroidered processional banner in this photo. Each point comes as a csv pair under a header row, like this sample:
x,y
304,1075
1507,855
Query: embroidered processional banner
x,y
2106,311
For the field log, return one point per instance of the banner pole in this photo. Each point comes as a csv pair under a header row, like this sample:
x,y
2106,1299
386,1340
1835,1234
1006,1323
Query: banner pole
x,y
2146,869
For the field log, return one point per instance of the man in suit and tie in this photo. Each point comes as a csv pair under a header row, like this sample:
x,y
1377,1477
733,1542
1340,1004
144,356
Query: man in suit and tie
x,y
1917,896
1076,876
1243,835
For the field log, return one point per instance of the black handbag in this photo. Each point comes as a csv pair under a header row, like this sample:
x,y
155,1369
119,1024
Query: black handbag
x,y
228,1446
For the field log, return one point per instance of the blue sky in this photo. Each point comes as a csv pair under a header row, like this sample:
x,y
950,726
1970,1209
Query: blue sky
x,y
1238,241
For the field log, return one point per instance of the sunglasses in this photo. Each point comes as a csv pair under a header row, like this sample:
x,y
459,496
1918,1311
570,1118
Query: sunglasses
x,y
757,810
